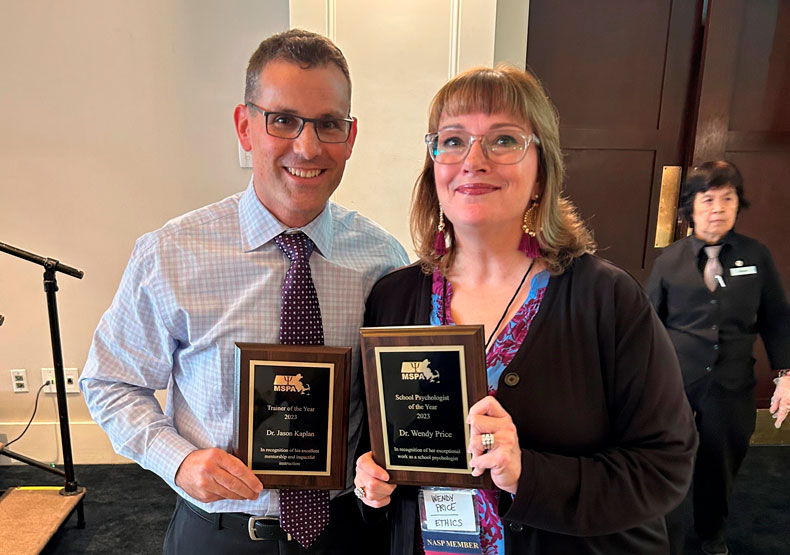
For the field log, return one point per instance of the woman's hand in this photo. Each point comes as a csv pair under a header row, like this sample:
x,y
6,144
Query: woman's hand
x,y
373,481
780,401
487,416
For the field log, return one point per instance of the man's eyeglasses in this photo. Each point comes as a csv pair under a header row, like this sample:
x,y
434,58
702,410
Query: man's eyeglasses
x,y
503,146
289,126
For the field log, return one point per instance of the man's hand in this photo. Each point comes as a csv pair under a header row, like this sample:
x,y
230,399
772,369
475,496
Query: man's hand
x,y
780,401
212,474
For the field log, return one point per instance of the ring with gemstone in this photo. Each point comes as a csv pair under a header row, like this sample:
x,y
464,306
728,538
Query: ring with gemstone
x,y
488,441
359,491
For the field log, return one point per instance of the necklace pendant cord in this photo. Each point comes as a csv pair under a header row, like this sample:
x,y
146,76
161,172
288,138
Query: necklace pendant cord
x,y
501,318
507,308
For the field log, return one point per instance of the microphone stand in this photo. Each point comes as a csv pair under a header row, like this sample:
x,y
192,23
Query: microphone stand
x,y
51,266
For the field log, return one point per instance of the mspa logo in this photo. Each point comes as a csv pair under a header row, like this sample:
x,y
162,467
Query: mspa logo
x,y
292,384
419,371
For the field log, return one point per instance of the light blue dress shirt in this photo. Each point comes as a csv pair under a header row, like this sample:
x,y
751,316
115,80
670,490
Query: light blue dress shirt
x,y
193,288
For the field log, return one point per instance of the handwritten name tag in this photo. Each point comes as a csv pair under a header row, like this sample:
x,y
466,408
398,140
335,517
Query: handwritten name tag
x,y
449,509
746,270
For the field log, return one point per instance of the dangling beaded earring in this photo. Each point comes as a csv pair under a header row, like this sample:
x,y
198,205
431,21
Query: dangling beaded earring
x,y
439,242
529,241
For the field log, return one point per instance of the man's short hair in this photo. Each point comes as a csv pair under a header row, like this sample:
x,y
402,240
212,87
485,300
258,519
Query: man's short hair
x,y
297,46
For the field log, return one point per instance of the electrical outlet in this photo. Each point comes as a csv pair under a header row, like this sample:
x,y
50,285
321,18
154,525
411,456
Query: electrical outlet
x,y
19,381
71,375
48,374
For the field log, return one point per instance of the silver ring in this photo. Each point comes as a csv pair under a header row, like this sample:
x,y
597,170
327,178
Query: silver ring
x,y
359,491
488,441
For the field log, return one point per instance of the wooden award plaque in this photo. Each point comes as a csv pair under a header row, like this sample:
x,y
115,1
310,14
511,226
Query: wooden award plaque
x,y
419,383
292,414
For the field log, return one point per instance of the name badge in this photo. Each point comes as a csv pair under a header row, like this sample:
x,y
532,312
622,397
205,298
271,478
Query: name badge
x,y
746,270
449,521
449,509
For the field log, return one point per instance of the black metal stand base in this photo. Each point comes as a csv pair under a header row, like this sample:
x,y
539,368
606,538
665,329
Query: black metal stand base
x,y
51,266
76,491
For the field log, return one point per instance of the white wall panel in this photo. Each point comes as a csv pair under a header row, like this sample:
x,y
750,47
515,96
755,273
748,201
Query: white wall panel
x,y
400,54
512,22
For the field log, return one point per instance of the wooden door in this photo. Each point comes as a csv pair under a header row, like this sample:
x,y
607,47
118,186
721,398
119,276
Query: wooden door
x,y
621,74
744,117
640,86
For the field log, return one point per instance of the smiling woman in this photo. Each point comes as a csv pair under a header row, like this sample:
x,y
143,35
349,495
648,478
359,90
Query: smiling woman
x,y
518,101
482,184
585,431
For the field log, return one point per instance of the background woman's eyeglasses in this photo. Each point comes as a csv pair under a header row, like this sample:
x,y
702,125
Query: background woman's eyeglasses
x,y
503,146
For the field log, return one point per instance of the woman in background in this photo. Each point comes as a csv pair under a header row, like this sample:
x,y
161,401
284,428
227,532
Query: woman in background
x,y
715,291
586,432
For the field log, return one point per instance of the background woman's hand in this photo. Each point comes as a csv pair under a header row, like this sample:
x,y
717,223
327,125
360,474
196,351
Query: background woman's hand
x,y
373,479
780,401
487,416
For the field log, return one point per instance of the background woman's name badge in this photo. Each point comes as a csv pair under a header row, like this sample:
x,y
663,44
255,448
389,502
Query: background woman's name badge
x,y
746,270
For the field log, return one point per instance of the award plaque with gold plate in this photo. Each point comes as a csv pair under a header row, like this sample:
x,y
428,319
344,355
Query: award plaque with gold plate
x,y
419,383
292,414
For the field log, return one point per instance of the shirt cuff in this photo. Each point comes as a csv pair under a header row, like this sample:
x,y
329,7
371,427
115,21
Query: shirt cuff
x,y
166,454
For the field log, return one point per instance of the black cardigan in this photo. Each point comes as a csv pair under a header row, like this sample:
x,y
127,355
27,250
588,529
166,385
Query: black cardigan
x,y
607,435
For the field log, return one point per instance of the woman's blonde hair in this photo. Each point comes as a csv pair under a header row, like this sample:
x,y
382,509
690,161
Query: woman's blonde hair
x,y
504,89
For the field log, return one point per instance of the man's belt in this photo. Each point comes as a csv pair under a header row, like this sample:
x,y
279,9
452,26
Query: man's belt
x,y
255,527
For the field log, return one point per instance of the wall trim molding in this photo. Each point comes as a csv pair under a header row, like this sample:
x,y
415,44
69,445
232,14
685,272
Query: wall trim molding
x,y
331,20
89,443
455,39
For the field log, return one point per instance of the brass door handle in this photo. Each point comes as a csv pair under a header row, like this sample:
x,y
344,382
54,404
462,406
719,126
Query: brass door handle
x,y
668,205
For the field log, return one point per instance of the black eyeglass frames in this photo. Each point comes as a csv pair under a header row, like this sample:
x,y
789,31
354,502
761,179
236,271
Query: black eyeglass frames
x,y
289,126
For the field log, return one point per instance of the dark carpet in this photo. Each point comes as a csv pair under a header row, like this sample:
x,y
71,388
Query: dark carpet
x,y
127,509
759,521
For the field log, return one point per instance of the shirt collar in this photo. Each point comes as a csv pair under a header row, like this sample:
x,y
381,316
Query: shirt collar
x,y
697,244
258,226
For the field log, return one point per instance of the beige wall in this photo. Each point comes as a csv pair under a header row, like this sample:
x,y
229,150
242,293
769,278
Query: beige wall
x,y
116,116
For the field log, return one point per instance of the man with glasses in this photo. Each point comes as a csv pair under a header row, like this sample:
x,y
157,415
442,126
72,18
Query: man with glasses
x,y
218,276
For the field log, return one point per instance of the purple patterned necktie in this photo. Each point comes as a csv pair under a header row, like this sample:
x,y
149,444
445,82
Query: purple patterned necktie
x,y
303,513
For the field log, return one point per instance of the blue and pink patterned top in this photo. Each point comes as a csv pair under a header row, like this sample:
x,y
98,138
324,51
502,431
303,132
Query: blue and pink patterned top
x,y
498,356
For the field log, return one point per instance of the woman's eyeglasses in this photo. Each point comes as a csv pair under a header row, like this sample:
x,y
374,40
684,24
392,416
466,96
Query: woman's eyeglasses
x,y
503,146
